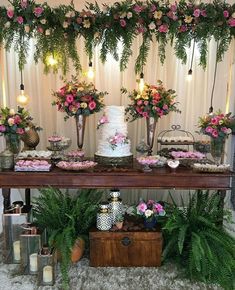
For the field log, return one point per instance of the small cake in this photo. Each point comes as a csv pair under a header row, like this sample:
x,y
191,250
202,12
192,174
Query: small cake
x,y
114,144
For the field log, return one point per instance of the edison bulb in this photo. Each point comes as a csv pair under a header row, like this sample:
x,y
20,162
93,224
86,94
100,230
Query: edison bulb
x,y
141,85
51,60
22,99
90,73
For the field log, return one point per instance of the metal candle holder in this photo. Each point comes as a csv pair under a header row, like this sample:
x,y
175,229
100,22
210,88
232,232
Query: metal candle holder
x,y
46,266
30,243
12,220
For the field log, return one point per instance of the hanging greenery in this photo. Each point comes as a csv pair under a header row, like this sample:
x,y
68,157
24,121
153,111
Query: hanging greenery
x,y
56,30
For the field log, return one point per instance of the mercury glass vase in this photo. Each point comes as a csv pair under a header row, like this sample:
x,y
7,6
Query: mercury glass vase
x,y
80,127
13,143
151,128
217,149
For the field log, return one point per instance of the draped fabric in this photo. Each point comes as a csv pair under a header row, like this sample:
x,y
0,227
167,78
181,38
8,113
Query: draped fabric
x,y
193,97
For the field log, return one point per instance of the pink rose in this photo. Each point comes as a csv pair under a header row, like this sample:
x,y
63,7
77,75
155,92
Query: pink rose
x,y
17,119
69,98
159,207
165,107
92,105
122,22
2,128
209,129
138,8
38,11
163,28
139,102
160,113
24,4
20,131
78,105
153,8
145,114
226,13
66,104
214,121
40,29
214,133
197,13
10,13
173,7
139,110
224,129
20,19
231,22
142,207
183,28
203,13
140,29
146,103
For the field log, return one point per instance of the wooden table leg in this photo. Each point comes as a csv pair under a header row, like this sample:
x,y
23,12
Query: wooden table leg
x,y
6,193
27,196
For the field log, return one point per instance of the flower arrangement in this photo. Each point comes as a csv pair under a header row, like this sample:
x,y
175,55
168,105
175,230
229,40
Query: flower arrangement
x,y
14,123
58,28
78,98
150,209
117,139
155,101
217,125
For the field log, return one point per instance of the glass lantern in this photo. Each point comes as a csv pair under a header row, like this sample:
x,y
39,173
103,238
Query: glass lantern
x,y
30,244
12,220
115,204
46,266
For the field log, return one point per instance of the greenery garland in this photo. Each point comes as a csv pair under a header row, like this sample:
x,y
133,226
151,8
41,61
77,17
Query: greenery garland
x,y
57,29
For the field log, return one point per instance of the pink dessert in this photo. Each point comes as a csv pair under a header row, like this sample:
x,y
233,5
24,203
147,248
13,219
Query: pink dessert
x,y
54,139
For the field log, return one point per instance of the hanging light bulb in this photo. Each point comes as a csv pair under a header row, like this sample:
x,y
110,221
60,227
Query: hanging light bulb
x,y
23,98
141,83
51,60
90,73
190,75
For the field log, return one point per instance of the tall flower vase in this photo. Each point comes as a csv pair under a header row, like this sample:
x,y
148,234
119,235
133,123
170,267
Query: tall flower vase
x,y
13,143
80,127
217,149
151,128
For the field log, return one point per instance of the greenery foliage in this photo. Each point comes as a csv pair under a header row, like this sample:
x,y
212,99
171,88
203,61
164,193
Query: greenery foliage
x,y
66,218
196,238
56,29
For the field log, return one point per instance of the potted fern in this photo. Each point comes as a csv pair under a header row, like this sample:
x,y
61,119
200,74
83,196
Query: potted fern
x,y
67,220
195,237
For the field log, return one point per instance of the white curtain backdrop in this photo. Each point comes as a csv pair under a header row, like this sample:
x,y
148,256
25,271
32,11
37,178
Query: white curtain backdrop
x,y
193,97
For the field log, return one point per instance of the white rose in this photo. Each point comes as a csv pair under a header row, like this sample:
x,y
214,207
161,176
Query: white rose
x,y
27,28
123,15
7,24
152,26
229,131
129,15
12,112
233,15
47,32
11,121
43,21
148,213
65,24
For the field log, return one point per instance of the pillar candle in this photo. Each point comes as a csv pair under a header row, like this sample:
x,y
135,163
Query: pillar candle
x,y
47,274
33,262
16,250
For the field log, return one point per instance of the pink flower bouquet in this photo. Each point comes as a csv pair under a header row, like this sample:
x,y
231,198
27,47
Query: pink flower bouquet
x,y
217,125
155,101
150,209
78,98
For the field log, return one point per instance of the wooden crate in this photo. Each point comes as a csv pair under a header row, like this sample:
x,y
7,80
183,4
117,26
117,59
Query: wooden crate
x,y
125,249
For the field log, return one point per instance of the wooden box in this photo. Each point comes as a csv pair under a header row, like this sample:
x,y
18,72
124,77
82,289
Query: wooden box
x,y
125,249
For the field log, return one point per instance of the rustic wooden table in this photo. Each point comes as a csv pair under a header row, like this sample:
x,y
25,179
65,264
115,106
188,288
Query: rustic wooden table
x,y
100,177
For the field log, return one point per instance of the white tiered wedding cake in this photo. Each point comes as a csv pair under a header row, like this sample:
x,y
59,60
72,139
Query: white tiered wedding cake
x,y
113,143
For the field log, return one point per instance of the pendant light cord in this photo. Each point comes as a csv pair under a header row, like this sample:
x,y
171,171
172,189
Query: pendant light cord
x,y
191,65
213,86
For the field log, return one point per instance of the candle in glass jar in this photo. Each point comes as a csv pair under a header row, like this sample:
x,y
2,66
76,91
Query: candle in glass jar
x,y
47,274
16,250
33,262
